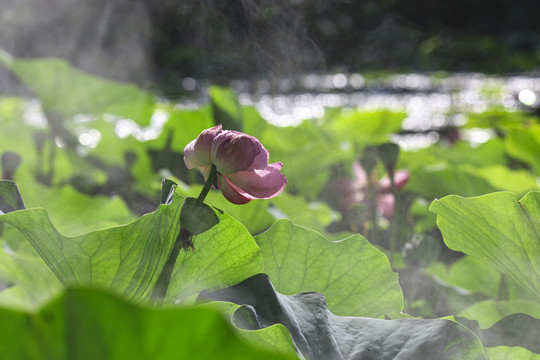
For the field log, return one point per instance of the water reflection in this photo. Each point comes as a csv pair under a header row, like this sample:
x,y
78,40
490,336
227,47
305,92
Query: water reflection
x,y
429,102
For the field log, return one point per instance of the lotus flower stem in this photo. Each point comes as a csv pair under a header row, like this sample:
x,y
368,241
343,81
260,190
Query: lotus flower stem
x,y
184,237
164,279
372,204
209,182
396,221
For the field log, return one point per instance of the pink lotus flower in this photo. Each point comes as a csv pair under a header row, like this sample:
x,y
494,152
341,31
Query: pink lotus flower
x,y
243,172
354,191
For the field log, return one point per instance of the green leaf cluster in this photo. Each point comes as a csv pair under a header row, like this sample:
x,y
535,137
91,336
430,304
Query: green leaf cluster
x,y
296,276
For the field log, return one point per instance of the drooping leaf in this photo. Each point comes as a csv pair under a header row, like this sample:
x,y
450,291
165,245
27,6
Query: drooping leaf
x,y
321,335
64,89
497,229
9,163
353,275
89,324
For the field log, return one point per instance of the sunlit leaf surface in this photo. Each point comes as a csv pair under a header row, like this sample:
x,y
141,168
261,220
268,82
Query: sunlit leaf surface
x,y
497,229
354,276
129,258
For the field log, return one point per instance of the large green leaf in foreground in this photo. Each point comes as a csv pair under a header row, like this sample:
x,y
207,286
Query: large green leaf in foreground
x,y
64,89
355,277
128,259
88,324
497,229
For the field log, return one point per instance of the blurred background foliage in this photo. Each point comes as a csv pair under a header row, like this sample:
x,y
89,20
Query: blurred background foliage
x,y
156,43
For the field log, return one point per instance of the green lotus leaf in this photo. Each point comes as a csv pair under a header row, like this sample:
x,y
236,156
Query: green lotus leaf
x,y
320,335
355,277
90,324
64,89
497,229
128,259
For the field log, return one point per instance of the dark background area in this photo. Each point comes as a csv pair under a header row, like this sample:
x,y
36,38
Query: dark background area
x,y
156,43
226,38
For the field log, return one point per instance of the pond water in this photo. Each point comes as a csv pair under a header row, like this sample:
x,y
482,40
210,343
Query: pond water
x,y
430,102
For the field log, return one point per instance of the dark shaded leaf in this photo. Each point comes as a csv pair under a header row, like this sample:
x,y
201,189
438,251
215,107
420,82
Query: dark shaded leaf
x,y
167,191
197,217
319,334
10,198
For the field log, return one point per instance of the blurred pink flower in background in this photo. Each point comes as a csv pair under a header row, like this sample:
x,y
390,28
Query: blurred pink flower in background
x,y
243,171
354,191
